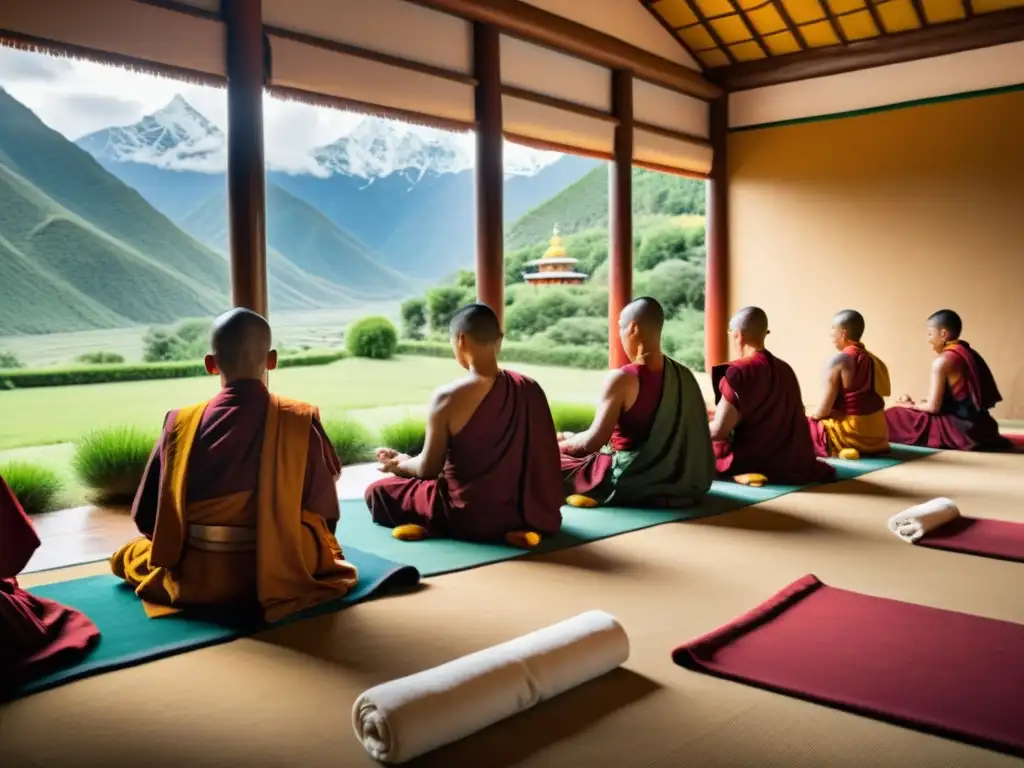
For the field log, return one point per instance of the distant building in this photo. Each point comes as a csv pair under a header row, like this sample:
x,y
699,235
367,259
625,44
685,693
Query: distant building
x,y
555,267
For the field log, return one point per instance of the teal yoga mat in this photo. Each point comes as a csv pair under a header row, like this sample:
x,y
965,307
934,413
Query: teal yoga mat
x,y
129,637
436,556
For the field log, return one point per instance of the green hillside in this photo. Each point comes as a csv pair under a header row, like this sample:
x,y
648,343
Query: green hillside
x,y
74,180
584,205
309,240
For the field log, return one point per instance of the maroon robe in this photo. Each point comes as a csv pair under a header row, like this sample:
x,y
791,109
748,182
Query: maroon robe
x,y
583,474
225,457
501,474
36,635
772,437
861,398
963,422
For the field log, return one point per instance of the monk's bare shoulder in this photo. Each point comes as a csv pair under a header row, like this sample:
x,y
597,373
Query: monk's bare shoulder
x,y
943,363
458,391
841,361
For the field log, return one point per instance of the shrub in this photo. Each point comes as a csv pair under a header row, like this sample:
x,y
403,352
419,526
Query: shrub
x,y
539,309
590,358
443,302
661,244
10,360
352,441
112,461
572,417
414,318
405,436
372,337
675,284
466,278
37,487
187,341
103,374
581,331
100,358
683,338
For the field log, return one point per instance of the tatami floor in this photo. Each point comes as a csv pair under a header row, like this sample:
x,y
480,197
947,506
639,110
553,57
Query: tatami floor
x,y
284,697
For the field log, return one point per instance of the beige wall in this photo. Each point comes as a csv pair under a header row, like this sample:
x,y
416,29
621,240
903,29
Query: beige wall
x,y
896,214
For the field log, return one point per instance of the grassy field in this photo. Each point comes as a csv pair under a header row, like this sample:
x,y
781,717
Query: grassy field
x,y
317,329
41,425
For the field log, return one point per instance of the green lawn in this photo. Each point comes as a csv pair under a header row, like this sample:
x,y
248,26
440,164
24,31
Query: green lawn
x,y
41,425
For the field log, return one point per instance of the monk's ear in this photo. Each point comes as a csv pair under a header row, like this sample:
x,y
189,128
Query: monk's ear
x,y
211,365
271,359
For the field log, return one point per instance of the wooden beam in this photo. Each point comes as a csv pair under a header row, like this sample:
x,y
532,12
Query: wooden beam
x,y
794,29
922,17
672,30
754,34
834,22
620,215
246,69
876,17
716,292
544,28
490,175
705,22
977,32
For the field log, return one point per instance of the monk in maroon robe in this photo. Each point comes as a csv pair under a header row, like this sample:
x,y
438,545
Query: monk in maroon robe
x,y
238,502
956,414
489,466
760,426
648,444
37,636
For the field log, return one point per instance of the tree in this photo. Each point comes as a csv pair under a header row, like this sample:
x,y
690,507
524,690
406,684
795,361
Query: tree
x,y
466,279
442,303
10,360
662,244
414,318
674,284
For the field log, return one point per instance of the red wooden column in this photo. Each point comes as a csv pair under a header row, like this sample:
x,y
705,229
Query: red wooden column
x,y
490,174
620,219
716,299
246,172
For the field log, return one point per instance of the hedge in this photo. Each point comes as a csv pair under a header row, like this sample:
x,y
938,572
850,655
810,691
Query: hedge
x,y
105,374
37,487
112,461
591,358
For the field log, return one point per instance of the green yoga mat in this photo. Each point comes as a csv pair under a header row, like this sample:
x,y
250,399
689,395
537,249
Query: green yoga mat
x,y
129,637
436,556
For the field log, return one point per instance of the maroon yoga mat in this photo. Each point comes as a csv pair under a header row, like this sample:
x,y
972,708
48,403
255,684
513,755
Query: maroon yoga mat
x,y
944,672
989,538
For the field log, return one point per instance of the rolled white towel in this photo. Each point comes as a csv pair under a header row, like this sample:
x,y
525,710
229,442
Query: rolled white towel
x,y
405,718
911,524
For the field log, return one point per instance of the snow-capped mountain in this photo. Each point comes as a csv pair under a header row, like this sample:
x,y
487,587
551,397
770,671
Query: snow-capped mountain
x,y
178,137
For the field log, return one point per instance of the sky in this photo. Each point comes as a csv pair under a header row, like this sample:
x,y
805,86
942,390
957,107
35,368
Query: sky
x,y
77,97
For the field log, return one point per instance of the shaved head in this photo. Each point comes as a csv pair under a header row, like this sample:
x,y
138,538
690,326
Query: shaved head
x,y
949,321
647,314
751,323
240,342
851,321
478,323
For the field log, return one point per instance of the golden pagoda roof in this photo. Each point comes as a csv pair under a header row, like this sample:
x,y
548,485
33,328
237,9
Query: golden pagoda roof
x,y
555,248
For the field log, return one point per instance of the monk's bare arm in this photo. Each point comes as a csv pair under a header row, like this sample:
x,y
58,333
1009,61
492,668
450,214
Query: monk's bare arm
x,y
834,375
430,462
617,388
727,416
937,388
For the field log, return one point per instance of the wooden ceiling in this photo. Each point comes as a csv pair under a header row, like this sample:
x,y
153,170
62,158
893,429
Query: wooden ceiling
x,y
724,34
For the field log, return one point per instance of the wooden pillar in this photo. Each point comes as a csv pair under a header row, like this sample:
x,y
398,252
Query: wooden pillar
x,y
490,173
620,204
716,298
246,173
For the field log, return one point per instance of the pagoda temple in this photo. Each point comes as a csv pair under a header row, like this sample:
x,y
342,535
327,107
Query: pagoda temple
x,y
555,267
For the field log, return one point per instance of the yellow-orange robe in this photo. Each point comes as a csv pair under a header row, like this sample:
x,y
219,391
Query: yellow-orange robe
x,y
858,417
260,543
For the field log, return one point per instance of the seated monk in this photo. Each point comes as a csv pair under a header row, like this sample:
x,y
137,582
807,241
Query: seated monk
x,y
649,443
489,466
37,636
760,426
956,414
851,413
238,502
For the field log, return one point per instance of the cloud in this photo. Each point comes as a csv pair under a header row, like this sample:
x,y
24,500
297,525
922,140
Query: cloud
x,y
17,66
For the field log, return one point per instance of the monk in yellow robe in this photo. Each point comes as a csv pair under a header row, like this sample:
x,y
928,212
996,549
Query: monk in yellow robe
x,y
238,503
850,419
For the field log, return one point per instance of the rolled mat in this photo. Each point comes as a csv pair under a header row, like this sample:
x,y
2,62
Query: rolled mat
x,y
939,671
402,719
912,524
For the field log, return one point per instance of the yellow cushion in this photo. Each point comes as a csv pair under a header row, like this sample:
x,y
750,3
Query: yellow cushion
x,y
522,539
410,532
576,500
850,454
752,479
